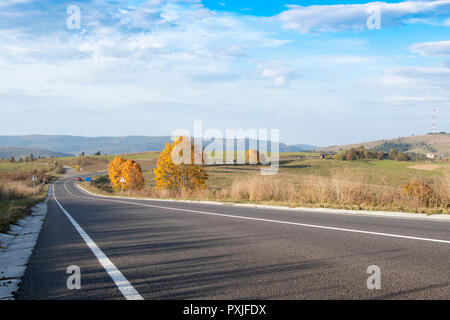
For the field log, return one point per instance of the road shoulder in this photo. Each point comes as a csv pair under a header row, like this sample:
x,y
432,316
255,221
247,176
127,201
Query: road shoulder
x,y
17,247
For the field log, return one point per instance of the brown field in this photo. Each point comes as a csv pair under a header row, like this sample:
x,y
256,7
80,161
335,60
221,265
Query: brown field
x,y
426,167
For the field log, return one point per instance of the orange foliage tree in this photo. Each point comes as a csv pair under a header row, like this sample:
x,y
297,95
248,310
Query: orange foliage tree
x,y
129,170
132,174
187,175
252,156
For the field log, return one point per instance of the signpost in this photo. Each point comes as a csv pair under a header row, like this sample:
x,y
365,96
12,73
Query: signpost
x,y
122,181
34,180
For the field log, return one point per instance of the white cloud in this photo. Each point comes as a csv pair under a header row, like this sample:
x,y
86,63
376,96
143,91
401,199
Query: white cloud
x,y
321,18
432,49
6,3
416,99
169,63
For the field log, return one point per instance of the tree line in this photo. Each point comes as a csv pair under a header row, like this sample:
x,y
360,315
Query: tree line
x,y
362,153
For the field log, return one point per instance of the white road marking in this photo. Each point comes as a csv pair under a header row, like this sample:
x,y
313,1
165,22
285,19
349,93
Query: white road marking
x,y
270,220
128,291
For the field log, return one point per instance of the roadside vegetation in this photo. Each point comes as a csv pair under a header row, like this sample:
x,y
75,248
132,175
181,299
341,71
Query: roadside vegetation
x,y
17,190
306,180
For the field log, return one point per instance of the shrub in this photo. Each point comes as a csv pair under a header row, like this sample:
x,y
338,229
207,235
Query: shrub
x,y
421,191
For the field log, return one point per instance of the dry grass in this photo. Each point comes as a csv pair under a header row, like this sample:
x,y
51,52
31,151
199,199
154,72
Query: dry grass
x,y
344,190
17,193
16,189
426,167
16,199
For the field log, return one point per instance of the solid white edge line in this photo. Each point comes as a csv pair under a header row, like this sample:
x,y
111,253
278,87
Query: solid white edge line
x,y
275,221
125,287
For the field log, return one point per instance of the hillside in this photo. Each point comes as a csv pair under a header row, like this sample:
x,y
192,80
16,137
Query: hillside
x,y
106,145
19,152
422,144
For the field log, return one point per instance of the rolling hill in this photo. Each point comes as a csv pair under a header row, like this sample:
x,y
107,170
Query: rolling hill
x,y
20,152
421,144
106,145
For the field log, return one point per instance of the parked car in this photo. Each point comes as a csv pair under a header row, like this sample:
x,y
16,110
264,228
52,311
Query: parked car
x,y
79,179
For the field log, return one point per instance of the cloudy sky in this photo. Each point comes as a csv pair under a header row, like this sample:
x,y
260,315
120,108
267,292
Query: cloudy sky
x,y
313,69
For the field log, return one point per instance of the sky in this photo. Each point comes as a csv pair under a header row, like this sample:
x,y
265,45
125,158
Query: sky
x,y
322,72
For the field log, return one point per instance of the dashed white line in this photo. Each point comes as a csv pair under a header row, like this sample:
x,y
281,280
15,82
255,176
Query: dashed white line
x,y
128,291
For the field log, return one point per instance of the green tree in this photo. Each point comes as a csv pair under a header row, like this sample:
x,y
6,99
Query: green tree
x,y
392,154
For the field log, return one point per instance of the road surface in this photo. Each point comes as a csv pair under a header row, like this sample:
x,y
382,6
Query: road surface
x,y
172,250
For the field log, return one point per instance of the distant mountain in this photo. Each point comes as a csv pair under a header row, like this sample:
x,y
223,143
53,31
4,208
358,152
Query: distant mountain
x,y
77,144
18,152
420,144
304,147
107,145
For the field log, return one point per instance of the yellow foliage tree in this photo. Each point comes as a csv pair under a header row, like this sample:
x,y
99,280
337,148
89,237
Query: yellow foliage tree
x,y
180,175
129,170
252,156
115,172
132,174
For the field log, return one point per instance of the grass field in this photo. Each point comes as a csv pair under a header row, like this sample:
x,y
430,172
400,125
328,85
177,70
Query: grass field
x,y
100,163
11,167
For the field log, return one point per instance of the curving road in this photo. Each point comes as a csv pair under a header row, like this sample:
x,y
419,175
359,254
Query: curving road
x,y
174,250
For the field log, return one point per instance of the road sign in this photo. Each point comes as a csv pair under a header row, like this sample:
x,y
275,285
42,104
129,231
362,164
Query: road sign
x,y
34,180
122,180
88,179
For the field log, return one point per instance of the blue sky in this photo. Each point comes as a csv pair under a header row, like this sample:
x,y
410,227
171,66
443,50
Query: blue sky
x,y
312,69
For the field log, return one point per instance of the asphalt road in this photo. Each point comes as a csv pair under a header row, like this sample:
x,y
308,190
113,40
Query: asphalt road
x,y
173,250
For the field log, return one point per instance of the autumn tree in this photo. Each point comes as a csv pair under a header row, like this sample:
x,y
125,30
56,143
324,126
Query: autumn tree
x,y
132,175
129,170
115,172
180,166
252,156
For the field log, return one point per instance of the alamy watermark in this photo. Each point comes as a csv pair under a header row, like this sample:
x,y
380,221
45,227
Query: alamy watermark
x,y
374,280
212,146
374,20
74,280
73,22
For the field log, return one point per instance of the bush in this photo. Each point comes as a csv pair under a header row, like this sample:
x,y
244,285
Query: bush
x,y
103,183
420,191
